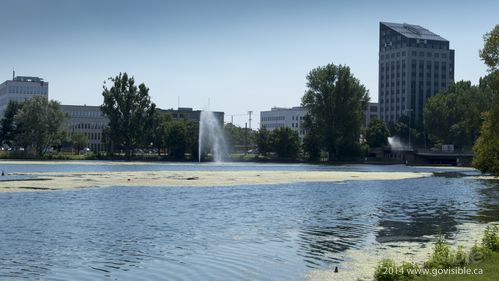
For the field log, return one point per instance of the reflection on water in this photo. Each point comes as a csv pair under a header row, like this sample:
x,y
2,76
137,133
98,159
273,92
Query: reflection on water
x,y
488,204
271,232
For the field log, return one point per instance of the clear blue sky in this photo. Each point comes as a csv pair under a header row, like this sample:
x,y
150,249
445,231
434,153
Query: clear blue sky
x,y
241,55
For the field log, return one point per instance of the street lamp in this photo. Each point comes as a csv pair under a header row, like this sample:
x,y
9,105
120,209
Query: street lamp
x,y
410,118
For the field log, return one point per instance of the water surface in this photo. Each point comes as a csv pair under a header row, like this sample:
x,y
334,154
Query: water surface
x,y
252,232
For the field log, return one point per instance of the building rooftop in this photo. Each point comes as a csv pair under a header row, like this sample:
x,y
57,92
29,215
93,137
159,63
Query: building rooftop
x,y
275,108
413,31
28,79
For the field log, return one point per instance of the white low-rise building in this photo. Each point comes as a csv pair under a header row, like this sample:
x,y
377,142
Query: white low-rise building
x,y
279,117
20,89
88,120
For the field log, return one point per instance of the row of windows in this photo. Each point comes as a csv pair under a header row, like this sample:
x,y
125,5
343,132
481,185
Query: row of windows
x,y
414,53
390,88
85,114
272,126
5,99
273,118
296,117
18,99
99,126
392,108
396,65
393,46
93,135
28,90
281,118
392,99
391,85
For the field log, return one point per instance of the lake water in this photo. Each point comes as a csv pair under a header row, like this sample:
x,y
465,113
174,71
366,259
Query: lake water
x,y
250,232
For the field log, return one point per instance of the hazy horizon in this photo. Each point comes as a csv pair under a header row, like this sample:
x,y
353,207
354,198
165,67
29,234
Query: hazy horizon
x,y
239,55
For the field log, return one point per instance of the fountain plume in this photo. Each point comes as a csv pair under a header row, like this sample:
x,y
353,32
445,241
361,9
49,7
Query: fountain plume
x,y
211,137
396,144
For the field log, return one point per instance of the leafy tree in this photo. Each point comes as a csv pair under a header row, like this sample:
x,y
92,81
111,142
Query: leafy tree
x,y
61,139
263,141
490,51
336,101
377,133
486,147
312,140
8,129
239,137
177,140
79,141
400,129
192,140
129,109
107,140
285,142
158,129
39,123
453,116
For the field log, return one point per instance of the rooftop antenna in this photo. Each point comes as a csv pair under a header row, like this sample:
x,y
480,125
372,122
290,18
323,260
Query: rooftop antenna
x,y
13,73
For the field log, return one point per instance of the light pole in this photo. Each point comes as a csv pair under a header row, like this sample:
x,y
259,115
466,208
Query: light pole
x,y
410,118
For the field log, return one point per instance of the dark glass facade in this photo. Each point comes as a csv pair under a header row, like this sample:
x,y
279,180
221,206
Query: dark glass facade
x,y
414,64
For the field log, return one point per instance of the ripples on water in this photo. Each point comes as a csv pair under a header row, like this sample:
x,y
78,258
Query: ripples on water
x,y
268,232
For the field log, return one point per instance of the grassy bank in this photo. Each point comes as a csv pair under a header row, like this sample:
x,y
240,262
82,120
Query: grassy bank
x,y
489,266
481,262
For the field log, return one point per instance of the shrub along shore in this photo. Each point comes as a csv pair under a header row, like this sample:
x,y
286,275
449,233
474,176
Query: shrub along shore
x,y
481,262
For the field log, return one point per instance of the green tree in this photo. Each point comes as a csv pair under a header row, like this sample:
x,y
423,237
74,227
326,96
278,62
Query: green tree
x,y
336,101
490,52
192,140
454,116
285,142
377,133
312,140
239,138
158,129
177,140
8,129
400,129
486,148
263,141
129,109
79,141
39,123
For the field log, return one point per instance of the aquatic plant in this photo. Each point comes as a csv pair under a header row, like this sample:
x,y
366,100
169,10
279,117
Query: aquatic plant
x,y
490,238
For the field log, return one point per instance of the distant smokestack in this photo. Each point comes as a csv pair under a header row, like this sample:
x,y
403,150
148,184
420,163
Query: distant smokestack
x,y
13,74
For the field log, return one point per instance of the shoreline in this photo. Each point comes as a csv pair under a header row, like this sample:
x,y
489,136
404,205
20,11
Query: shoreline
x,y
361,263
78,180
146,160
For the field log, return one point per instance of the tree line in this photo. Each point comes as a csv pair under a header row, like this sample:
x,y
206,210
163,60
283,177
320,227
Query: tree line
x,y
465,115
34,126
135,122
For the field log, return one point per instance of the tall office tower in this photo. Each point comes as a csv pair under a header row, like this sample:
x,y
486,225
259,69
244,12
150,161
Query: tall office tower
x,y
414,64
21,88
